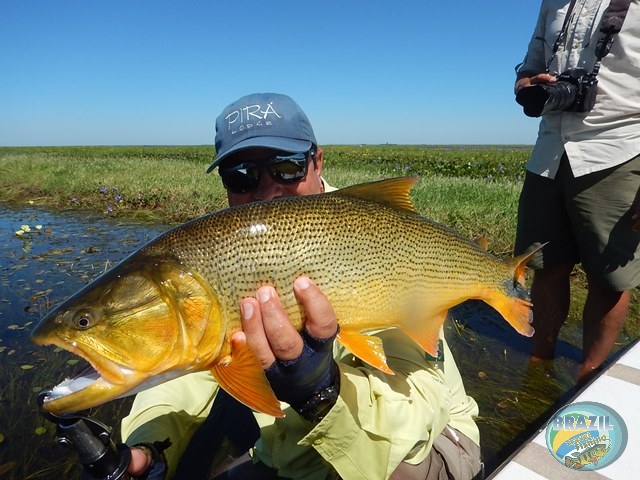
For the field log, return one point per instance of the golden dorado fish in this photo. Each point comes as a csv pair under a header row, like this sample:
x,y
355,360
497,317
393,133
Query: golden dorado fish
x,y
171,307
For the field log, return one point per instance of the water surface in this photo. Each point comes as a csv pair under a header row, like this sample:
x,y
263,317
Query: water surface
x,y
39,269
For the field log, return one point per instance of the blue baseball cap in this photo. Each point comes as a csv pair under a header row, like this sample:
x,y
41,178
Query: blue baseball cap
x,y
262,120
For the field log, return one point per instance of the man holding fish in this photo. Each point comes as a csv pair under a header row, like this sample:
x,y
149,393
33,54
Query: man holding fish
x,y
348,419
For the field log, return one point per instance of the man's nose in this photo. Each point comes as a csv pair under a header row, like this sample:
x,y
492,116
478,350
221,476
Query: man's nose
x,y
268,188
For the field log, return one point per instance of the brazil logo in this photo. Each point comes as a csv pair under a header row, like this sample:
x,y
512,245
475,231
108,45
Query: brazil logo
x,y
586,436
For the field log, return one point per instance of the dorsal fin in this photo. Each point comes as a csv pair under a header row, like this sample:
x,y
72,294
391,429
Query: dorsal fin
x,y
393,192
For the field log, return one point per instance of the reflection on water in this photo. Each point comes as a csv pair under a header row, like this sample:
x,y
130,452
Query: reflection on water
x,y
42,267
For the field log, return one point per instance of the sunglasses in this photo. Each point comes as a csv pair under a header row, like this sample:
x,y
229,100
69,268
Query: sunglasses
x,y
286,169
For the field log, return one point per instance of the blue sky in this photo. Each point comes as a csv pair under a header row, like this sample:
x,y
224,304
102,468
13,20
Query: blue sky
x,y
158,72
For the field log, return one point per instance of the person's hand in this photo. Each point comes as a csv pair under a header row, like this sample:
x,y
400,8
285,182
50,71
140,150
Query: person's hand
x,y
524,82
296,364
140,461
147,460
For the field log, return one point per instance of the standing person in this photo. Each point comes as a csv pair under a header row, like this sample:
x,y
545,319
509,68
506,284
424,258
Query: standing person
x,y
583,177
345,419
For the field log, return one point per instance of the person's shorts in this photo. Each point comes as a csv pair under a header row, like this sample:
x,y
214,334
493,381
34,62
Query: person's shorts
x,y
453,456
583,220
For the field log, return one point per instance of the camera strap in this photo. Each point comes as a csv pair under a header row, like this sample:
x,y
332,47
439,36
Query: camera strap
x,y
563,32
611,23
612,20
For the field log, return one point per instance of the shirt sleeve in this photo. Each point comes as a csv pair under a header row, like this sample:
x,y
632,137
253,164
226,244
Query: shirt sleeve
x,y
174,409
534,61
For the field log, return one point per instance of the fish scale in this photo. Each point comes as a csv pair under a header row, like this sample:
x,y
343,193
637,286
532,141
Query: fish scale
x,y
380,264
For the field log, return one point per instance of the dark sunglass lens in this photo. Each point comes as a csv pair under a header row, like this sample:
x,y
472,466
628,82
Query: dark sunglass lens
x,y
240,180
289,169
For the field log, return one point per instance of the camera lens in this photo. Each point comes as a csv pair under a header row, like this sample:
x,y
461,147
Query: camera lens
x,y
562,96
537,100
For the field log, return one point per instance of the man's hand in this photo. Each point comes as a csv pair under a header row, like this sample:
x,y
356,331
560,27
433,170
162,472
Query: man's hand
x,y
527,81
296,364
147,460
140,461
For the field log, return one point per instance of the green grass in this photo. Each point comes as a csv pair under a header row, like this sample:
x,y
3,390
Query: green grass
x,y
158,183
473,190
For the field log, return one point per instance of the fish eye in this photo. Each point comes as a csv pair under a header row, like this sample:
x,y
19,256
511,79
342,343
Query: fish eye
x,y
83,320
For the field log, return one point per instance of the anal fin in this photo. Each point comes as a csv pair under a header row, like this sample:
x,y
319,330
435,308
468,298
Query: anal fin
x,y
367,348
428,334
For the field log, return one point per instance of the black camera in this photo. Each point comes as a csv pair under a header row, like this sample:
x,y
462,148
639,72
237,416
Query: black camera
x,y
575,91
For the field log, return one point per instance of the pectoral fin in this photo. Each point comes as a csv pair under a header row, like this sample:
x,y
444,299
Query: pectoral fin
x,y
367,348
243,378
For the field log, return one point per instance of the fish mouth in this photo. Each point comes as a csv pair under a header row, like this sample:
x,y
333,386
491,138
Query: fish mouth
x,y
73,384
88,388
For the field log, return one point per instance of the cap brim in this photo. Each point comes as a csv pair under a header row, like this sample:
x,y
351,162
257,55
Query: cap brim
x,y
292,145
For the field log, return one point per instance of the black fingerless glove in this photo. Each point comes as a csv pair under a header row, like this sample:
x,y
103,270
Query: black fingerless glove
x,y
308,383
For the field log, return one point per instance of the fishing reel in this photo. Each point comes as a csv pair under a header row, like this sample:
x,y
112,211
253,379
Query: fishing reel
x,y
100,458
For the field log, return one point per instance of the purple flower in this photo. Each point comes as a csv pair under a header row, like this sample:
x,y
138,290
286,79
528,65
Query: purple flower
x,y
117,198
104,190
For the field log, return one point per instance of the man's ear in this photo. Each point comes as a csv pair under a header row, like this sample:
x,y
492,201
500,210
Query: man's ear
x,y
318,162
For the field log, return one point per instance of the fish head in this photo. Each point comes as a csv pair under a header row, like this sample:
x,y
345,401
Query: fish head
x,y
141,323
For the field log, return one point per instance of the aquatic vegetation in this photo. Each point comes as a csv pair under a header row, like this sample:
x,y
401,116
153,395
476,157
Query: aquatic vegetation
x,y
25,231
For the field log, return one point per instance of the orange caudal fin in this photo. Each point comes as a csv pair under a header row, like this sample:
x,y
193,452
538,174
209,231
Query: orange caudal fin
x,y
243,378
516,311
367,348
514,303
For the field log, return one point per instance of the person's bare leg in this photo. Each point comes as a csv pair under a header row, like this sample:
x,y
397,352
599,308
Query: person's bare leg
x,y
550,294
605,312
